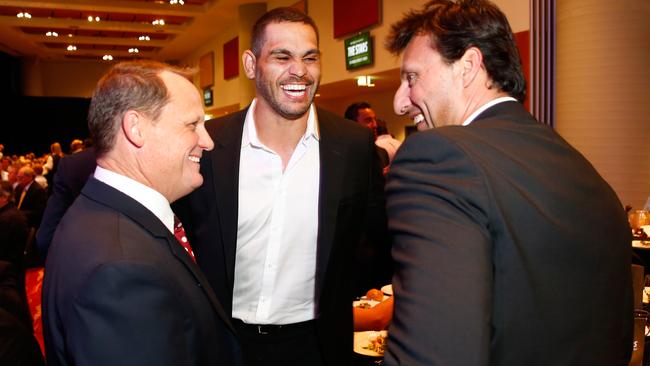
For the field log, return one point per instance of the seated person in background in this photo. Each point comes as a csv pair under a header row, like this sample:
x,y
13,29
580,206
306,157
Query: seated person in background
x,y
76,146
39,178
13,227
17,343
30,198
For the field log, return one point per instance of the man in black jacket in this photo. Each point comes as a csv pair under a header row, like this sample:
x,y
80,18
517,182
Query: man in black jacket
x,y
510,248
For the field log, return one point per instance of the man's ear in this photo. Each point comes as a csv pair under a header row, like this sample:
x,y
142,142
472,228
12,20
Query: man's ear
x,y
471,63
132,125
249,60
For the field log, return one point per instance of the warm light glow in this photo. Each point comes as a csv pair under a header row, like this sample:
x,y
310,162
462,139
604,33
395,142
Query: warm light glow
x,y
51,34
133,50
364,80
144,38
176,2
93,19
158,22
107,58
72,48
25,15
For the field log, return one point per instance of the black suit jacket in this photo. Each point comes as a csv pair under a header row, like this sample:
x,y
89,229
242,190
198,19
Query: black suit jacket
x,y
33,204
14,230
350,191
510,249
71,174
120,290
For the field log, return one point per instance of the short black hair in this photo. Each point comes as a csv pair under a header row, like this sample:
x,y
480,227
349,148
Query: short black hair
x,y
278,15
352,111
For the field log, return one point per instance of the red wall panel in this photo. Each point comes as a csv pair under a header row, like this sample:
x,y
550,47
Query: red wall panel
x,y
353,16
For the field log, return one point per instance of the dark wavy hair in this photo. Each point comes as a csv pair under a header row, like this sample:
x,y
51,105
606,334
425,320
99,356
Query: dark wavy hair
x,y
455,26
278,15
131,85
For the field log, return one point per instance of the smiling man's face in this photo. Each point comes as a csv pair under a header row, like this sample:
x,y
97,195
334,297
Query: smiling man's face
x,y
287,70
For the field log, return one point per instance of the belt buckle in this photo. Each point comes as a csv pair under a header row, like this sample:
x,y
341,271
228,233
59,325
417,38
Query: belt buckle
x,y
260,329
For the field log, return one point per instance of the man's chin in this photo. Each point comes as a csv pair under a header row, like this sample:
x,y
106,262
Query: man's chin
x,y
293,113
422,126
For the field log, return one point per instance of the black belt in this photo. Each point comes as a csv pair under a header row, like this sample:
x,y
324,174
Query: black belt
x,y
273,328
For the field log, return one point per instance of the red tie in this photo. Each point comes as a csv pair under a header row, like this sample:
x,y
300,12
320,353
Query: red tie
x,y
179,233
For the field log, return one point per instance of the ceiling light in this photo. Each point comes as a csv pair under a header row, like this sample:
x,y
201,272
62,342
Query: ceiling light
x,y
361,80
158,22
25,15
51,34
364,80
107,58
70,35
72,48
176,2
133,50
93,19
144,38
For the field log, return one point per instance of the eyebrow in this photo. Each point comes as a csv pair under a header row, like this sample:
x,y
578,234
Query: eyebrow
x,y
284,51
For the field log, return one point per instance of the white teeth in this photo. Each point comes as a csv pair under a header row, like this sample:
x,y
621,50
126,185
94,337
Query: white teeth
x,y
417,119
195,159
294,87
294,93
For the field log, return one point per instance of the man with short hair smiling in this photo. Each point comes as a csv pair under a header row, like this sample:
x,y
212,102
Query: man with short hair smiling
x,y
500,228
121,284
287,191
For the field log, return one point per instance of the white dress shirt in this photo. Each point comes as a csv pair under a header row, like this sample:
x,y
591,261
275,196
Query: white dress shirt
x,y
277,228
485,106
388,143
146,196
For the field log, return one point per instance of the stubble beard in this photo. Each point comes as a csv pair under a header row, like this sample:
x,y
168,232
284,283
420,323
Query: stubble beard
x,y
264,88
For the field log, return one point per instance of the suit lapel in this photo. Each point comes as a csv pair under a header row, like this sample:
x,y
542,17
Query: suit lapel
x,y
120,202
225,158
179,252
332,168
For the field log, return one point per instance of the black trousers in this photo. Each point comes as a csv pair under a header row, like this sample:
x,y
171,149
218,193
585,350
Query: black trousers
x,y
281,345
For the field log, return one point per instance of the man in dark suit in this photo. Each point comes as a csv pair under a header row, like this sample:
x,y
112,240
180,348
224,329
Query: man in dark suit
x,y
287,192
121,286
510,249
30,196
72,173
17,343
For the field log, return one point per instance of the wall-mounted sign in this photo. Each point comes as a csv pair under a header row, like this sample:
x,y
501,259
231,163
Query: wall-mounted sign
x,y
358,51
207,97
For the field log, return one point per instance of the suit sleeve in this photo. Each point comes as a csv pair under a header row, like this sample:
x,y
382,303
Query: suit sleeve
x,y
127,314
436,205
61,198
376,226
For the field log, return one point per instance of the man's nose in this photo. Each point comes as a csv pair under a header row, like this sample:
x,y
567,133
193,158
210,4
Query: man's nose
x,y
401,101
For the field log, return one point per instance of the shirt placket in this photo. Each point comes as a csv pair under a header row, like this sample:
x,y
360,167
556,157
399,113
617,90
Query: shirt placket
x,y
270,268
